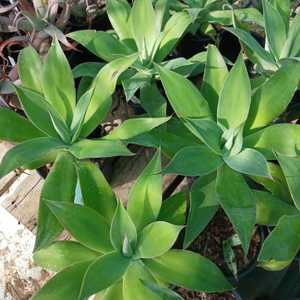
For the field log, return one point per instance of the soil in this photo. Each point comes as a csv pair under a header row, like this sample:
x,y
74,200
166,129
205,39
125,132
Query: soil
x,y
210,244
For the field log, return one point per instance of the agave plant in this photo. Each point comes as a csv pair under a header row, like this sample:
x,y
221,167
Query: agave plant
x,y
281,37
231,122
58,124
130,257
148,31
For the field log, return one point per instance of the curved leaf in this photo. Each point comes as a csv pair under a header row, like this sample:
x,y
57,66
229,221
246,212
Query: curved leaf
x,y
133,127
15,128
235,97
215,75
63,254
238,203
57,187
184,97
156,239
58,82
99,148
194,161
30,69
85,224
35,153
249,162
189,270
145,196
96,191
103,273
282,245
57,289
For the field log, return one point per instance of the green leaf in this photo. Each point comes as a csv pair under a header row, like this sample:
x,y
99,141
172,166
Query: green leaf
x,y
189,270
48,227
115,292
263,107
215,75
35,153
152,101
143,27
96,191
57,289
15,128
291,167
87,69
102,44
194,161
270,209
58,83
37,110
279,138
173,31
249,162
118,12
173,209
104,86
122,228
84,224
257,53
162,12
184,97
30,69
207,131
103,273
203,206
145,196
235,97
99,148
238,203
133,127
283,7
163,292
282,245
292,45
133,287
275,28
156,239
63,254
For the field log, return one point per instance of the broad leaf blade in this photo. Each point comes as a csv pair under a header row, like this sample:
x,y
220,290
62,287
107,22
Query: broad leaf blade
x,y
282,245
235,97
173,31
48,226
189,270
15,128
184,97
118,12
99,148
145,196
291,167
63,254
263,107
194,161
30,68
214,78
96,191
203,206
103,273
249,162
58,82
122,228
104,86
85,224
34,153
156,239
275,28
238,203
57,289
